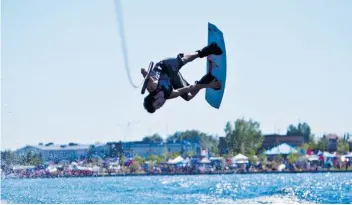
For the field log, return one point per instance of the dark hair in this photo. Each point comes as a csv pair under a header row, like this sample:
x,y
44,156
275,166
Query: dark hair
x,y
148,103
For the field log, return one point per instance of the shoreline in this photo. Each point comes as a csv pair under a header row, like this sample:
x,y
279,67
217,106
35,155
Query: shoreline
x,y
181,174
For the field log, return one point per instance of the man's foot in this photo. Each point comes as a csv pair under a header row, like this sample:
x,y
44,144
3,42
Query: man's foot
x,y
211,49
208,78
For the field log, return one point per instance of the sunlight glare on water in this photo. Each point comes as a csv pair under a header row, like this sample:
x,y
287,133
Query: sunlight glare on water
x,y
225,189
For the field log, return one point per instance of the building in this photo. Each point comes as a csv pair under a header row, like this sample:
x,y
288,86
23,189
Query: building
x,y
114,149
74,152
100,150
57,153
223,149
332,143
273,140
145,149
183,147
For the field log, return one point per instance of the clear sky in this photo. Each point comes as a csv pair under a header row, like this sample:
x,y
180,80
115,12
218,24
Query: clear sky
x,y
63,77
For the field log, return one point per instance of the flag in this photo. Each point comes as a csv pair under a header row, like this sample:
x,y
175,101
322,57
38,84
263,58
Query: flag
x,y
309,151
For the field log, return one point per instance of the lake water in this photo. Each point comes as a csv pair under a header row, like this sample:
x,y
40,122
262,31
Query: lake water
x,y
237,188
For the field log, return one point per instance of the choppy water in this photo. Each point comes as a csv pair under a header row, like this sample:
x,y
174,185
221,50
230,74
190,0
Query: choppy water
x,y
253,188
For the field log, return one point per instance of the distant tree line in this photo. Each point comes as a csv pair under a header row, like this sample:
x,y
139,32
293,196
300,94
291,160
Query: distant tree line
x,y
240,136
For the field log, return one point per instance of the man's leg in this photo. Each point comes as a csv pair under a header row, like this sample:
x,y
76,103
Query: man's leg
x,y
173,66
189,58
211,49
179,82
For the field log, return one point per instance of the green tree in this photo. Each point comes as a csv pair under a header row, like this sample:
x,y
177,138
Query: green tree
x,y
263,159
313,145
305,146
302,129
8,158
135,166
343,146
155,138
194,136
252,157
155,158
30,158
138,159
243,136
322,143
37,159
189,154
122,160
172,155
293,157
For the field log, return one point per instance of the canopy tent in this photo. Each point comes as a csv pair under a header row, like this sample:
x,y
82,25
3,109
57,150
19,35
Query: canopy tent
x,y
313,158
281,167
349,155
268,152
177,160
328,155
20,167
187,160
240,158
281,149
205,161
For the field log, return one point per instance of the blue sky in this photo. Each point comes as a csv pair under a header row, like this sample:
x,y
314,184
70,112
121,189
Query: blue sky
x,y
63,76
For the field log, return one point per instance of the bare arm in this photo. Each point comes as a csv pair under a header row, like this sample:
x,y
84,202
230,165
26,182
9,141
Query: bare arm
x,y
191,95
191,88
152,83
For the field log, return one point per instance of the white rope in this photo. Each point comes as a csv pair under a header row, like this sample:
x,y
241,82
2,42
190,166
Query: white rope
x,y
119,18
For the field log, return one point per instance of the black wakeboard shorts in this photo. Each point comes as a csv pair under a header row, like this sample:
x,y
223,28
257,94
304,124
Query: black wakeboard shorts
x,y
172,67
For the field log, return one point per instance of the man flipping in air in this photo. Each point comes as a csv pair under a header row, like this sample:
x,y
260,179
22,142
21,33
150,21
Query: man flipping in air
x,y
166,82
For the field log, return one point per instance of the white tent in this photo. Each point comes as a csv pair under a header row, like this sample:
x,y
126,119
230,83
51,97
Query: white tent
x,y
328,155
281,167
187,160
281,149
20,167
240,158
349,155
205,161
313,158
177,160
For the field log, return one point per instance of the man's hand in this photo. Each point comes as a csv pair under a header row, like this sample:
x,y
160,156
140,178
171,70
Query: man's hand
x,y
152,83
214,84
144,72
187,89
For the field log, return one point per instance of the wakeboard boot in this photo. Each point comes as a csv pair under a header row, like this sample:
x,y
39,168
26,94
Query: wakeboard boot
x,y
211,49
206,79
